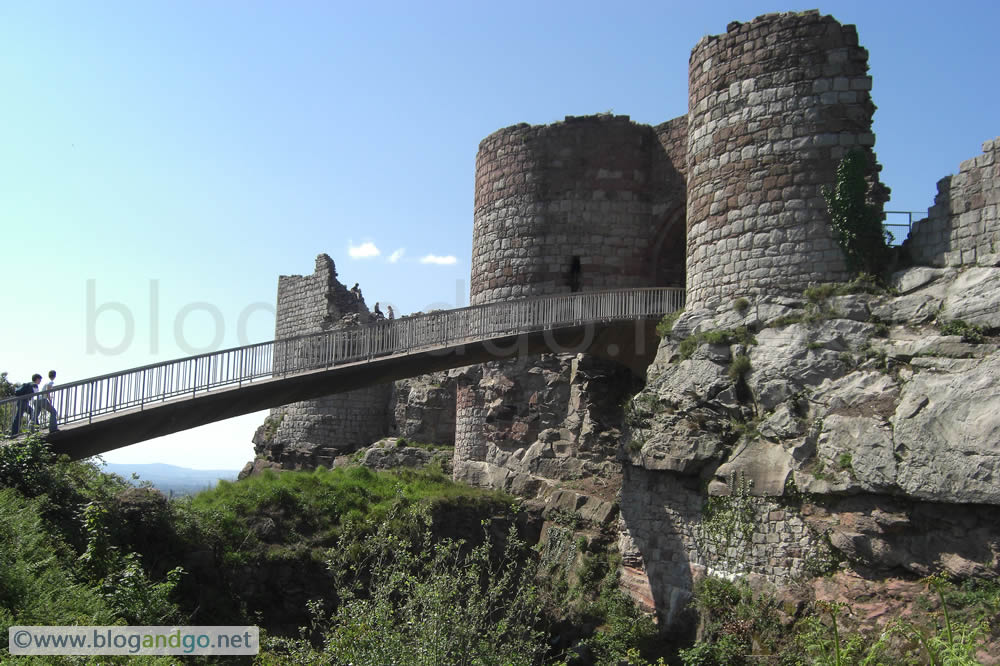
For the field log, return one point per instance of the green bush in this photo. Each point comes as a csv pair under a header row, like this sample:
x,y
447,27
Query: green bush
x,y
666,325
434,603
723,336
38,584
737,626
739,367
969,332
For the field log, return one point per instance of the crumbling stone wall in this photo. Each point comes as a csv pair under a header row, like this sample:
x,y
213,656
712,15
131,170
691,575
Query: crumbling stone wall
x,y
774,105
313,303
962,228
312,433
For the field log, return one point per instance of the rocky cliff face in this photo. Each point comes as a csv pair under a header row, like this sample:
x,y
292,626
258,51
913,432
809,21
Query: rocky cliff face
x,y
548,429
784,438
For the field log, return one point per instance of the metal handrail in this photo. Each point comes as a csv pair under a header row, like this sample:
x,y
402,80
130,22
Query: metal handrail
x,y
138,387
909,222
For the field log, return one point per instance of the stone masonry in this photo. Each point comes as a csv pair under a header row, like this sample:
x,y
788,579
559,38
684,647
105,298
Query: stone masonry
x,y
667,544
728,197
962,228
774,106
314,432
572,206
586,204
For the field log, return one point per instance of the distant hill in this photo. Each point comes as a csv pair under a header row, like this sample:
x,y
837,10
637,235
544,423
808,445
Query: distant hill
x,y
171,479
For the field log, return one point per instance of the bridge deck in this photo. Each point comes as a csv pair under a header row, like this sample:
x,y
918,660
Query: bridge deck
x,y
103,413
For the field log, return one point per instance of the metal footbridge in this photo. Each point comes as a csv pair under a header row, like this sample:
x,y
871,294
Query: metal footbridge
x,y
107,412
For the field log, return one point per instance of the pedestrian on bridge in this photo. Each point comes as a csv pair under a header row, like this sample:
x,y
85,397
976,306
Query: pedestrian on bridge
x,y
24,394
45,402
389,311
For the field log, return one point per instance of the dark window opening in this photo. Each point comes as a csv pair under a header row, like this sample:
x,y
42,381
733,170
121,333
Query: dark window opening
x,y
574,274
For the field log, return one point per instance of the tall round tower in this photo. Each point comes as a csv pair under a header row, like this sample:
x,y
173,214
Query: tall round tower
x,y
774,104
561,208
586,204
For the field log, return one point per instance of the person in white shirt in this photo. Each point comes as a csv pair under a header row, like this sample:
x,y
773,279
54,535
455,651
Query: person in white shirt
x,y
45,402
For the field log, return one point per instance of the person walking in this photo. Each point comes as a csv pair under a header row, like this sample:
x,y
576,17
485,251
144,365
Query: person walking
x,y
45,402
24,393
389,311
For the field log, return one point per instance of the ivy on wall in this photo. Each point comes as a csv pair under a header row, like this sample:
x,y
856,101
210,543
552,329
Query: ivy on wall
x,y
857,225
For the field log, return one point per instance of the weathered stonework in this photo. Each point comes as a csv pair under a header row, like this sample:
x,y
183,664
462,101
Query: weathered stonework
x,y
574,206
666,540
314,432
890,433
525,428
586,204
962,228
423,407
774,105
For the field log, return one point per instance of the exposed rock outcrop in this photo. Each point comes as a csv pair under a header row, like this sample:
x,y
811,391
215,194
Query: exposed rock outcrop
x,y
394,452
779,437
423,407
548,427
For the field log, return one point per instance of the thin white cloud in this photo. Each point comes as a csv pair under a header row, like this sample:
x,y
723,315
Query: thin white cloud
x,y
366,250
441,261
395,256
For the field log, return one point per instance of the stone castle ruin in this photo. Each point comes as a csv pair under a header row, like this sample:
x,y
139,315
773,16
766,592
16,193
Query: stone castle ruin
x,y
726,201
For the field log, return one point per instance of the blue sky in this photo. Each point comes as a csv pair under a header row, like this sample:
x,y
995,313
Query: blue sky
x,y
174,158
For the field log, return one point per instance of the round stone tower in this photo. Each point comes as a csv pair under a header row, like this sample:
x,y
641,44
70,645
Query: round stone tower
x,y
590,203
774,105
561,208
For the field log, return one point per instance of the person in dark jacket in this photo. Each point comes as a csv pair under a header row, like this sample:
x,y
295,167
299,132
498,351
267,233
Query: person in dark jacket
x,y
24,393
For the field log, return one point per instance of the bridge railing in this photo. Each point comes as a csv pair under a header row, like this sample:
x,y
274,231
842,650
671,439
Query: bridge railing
x,y
136,388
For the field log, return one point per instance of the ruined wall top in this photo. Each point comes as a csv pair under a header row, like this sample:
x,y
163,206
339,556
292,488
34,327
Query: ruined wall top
x,y
962,228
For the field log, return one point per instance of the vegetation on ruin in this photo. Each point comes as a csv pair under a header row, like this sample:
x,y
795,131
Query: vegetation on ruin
x,y
728,522
740,335
857,224
741,626
666,324
969,332
739,367
403,568
818,308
